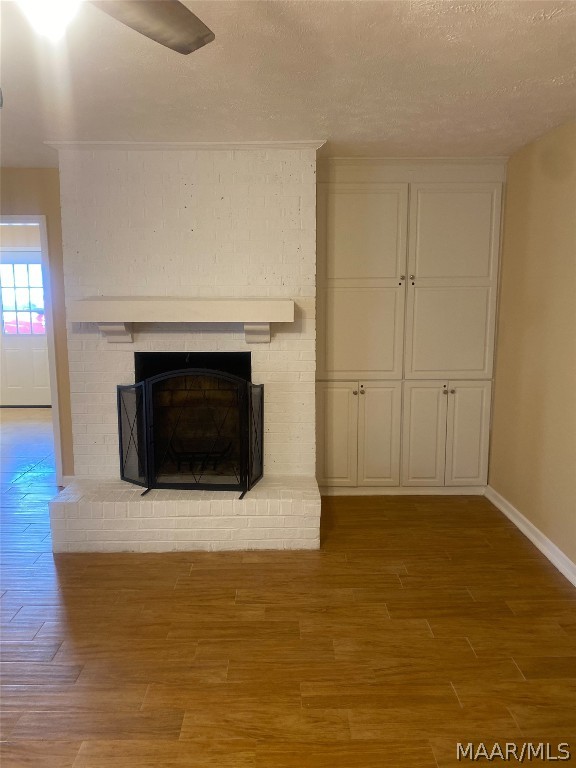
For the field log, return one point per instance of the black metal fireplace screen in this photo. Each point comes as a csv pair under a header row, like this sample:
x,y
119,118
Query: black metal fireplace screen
x,y
192,428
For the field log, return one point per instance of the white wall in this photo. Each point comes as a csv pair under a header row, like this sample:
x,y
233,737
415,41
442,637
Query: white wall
x,y
187,223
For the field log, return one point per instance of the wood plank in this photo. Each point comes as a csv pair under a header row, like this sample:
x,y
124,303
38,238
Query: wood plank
x,y
111,671
234,695
452,670
427,721
120,697
539,667
235,630
376,651
367,754
8,719
421,621
28,651
554,720
301,671
266,722
82,725
198,753
550,695
39,754
25,673
267,650
380,695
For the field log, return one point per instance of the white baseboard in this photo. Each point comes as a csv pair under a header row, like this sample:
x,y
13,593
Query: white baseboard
x,y
395,490
558,559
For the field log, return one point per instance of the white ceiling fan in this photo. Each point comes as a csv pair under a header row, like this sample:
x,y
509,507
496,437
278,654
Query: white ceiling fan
x,y
168,22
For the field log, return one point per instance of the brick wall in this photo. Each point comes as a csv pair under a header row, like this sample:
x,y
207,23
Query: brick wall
x,y
187,223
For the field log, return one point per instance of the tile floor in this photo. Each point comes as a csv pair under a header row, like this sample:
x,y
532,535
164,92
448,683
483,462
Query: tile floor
x,y
421,622
26,450
27,477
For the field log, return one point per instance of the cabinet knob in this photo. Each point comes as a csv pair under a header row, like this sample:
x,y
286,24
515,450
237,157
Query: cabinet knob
x,y
452,391
412,277
362,391
354,391
444,391
402,277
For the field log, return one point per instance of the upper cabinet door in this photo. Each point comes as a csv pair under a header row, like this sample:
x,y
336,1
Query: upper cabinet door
x,y
362,233
451,285
361,332
362,241
454,233
449,331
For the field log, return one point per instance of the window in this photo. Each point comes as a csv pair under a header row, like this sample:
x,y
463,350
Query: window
x,y
22,299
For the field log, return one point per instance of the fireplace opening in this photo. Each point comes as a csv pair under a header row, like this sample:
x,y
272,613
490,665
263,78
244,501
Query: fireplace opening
x,y
192,428
148,364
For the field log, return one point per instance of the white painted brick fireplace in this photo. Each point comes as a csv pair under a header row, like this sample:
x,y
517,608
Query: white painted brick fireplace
x,y
202,223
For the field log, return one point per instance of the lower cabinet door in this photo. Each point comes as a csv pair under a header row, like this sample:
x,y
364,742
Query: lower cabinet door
x,y
337,431
424,432
379,412
443,426
467,434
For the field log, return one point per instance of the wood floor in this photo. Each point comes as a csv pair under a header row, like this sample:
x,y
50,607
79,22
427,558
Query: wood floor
x,y
422,622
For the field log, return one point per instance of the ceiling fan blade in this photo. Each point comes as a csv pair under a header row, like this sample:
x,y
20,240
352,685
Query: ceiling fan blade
x,y
168,22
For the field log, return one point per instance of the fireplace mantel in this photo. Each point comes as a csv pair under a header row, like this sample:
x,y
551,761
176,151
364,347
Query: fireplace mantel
x,y
114,315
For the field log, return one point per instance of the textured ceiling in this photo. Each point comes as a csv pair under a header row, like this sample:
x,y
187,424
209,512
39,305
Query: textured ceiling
x,y
384,78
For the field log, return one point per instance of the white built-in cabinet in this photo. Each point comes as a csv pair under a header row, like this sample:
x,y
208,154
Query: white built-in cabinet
x,y
362,279
445,433
452,280
407,280
359,433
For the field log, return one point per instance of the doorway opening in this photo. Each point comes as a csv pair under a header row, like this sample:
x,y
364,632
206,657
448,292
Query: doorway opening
x,y
27,351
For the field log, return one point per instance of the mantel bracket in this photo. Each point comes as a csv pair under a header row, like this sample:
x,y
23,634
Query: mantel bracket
x,y
116,332
257,333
